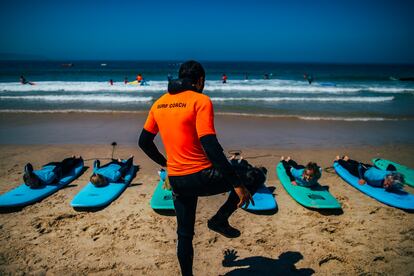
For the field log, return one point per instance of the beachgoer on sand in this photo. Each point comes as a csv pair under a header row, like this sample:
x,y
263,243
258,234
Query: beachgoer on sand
x,y
368,174
196,163
306,176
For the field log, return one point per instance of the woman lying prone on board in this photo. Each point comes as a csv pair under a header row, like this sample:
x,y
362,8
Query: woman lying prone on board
x,y
389,179
299,175
112,172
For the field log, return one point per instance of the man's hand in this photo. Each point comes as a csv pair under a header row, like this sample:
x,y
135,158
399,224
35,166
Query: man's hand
x,y
361,182
244,196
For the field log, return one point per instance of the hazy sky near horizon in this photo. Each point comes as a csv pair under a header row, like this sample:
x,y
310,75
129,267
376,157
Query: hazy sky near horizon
x,y
284,31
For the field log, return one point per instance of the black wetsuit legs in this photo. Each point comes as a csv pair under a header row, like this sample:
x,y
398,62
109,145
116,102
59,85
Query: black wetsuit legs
x,y
64,167
186,190
354,168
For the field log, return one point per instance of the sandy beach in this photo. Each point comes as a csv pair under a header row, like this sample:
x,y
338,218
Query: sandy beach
x,y
129,238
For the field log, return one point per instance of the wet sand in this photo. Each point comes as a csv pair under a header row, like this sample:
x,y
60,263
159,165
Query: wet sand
x,y
233,131
129,238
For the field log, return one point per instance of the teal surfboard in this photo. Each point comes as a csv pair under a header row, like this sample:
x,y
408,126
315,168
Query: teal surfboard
x,y
406,171
24,195
317,197
162,199
97,197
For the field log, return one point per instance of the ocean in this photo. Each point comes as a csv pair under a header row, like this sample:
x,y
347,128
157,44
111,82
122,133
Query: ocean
x,y
338,92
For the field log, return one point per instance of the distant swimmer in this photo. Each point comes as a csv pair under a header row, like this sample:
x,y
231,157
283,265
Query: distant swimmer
x,y
24,81
246,76
139,78
224,78
266,76
307,77
126,80
111,82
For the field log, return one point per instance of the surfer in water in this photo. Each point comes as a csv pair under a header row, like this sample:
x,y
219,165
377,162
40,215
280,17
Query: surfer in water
x,y
389,179
300,175
24,81
308,77
224,78
49,173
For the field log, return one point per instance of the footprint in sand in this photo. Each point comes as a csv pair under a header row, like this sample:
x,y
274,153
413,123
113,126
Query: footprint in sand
x,y
331,260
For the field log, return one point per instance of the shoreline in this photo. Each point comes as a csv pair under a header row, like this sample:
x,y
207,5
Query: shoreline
x,y
219,113
232,131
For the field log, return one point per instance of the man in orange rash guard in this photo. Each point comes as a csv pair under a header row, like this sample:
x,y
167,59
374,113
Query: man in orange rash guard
x,y
196,163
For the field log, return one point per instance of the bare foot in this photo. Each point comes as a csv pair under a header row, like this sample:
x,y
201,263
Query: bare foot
x,y
288,158
282,158
337,158
346,157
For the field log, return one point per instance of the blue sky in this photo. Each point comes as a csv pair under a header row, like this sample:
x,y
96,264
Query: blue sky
x,y
283,31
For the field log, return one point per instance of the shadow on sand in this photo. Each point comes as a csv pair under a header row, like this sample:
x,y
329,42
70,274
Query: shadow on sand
x,y
257,265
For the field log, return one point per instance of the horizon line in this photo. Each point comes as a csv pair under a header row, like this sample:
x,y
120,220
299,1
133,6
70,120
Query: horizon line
x,y
208,60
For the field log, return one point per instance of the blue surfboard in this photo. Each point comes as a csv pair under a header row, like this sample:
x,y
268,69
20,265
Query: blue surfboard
x,y
23,195
400,199
263,200
96,197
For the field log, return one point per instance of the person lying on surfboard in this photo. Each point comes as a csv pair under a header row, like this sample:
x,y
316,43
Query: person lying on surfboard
x,y
299,175
389,179
111,172
49,173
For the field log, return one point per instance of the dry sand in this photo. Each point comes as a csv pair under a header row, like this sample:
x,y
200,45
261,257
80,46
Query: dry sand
x,y
129,238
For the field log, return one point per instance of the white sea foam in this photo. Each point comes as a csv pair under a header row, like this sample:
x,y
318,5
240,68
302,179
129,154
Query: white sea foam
x,y
307,99
80,98
285,86
111,98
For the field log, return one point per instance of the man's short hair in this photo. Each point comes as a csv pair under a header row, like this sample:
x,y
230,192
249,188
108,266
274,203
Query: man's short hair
x,y
192,70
